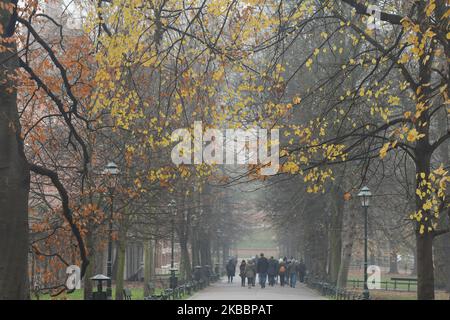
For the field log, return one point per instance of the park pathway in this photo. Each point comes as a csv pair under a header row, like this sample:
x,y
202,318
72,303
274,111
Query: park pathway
x,y
221,290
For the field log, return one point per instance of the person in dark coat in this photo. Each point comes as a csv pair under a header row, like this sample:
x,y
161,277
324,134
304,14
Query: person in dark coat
x,y
292,272
262,268
301,271
272,271
242,272
231,270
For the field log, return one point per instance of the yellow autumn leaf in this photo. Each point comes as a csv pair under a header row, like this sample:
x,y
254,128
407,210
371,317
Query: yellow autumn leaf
x,y
430,7
296,100
384,150
290,167
413,135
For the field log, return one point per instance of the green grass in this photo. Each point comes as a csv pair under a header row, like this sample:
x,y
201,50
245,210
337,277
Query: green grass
x,y
402,295
385,277
136,294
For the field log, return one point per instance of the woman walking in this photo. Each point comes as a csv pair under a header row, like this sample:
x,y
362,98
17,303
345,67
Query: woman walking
x,y
250,273
242,272
231,270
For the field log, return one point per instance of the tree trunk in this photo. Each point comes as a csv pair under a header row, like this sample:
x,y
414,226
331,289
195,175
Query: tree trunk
x,y
425,269
225,255
148,266
14,178
195,248
348,236
424,239
87,288
185,267
205,255
120,273
442,261
442,243
335,235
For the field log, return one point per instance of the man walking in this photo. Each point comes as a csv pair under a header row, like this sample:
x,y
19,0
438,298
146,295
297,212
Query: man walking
x,y
262,268
292,270
272,271
302,271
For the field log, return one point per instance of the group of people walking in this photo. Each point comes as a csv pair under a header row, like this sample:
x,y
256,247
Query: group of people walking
x,y
286,270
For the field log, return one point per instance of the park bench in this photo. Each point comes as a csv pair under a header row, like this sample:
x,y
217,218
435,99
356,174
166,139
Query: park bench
x,y
168,294
403,280
181,291
214,277
196,285
155,297
127,294
189,286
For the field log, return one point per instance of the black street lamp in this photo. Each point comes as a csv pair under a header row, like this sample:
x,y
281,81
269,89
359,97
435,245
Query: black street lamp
x,y
111,171
173,278
365,195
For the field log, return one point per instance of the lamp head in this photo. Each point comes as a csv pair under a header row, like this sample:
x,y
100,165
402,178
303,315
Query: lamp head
x,y
111,169
365,195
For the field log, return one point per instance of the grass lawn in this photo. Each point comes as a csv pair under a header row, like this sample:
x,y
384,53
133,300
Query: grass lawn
x,y
137,293
385,277
402,295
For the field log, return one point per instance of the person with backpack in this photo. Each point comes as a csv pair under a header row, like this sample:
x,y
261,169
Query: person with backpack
x,y
282,273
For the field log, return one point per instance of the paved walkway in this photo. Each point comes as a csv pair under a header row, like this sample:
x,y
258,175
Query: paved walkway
x,y
221,290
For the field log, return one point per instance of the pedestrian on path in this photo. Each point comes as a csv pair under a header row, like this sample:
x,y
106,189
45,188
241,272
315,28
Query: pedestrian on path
x,y
254,271
242,272
250,273
282,273
255,261
301,271
272,271
261,268
292,270
231,270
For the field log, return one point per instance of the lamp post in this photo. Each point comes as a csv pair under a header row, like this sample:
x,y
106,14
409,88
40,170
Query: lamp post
x,y
365,195
111,171
173,278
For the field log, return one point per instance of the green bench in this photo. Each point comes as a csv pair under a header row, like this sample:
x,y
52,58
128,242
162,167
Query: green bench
x,y
409,281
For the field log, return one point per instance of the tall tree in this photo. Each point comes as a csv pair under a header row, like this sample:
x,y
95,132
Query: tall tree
x,y
14,170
